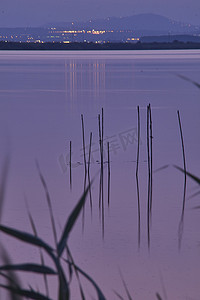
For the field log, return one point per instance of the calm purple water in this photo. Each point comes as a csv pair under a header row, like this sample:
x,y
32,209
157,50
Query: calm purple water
x,y
42,96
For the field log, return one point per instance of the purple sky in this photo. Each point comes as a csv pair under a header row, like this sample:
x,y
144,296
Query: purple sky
x,y
40,12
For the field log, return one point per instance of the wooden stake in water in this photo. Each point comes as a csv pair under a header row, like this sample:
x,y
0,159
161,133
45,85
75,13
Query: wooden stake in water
x,y
181,223
99,123
137,169
101,198
102,163
149,180
151,162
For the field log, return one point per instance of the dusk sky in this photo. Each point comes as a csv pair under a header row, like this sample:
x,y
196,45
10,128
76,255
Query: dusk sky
x,y
40,12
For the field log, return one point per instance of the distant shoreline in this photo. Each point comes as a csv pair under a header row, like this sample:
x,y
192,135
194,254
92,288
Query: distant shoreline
x,y
176,45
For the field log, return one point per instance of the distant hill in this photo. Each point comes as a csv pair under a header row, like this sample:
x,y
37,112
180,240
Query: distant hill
x,y
142,24
170,39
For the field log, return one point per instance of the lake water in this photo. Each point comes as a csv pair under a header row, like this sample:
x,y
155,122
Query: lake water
x,y
42,97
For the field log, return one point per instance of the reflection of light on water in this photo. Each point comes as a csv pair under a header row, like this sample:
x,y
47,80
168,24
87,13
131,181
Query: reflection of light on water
x,y
70,79
99,76
78,78
72,67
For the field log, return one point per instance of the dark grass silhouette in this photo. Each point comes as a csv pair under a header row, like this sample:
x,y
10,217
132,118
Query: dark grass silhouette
x,y
56,255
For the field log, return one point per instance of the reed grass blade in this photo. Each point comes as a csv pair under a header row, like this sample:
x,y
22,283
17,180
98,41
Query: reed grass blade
x,y
11,276
40,251
118,295
32,223
195,178
194,195
98,291
10,279
26,293
125,287
64,292
163,287
26,237
70,269
76,273
3,182
161,168
158,296
71,221
35,268
189,80
196,207
48,202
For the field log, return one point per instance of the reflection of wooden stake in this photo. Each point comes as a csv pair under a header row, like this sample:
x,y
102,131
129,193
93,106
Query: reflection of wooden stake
x,y
70,164
83,136
85,177
137,179
181,223
108,174
90,147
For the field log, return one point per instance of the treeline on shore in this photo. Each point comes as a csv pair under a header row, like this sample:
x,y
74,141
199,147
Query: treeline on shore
x,y
97,46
